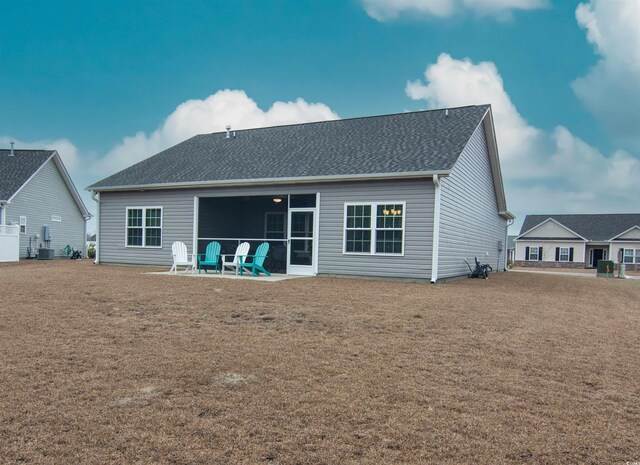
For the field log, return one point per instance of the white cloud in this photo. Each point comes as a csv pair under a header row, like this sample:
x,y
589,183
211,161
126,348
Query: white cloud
x,y
386,10
610,89
544,172
213,114
66,149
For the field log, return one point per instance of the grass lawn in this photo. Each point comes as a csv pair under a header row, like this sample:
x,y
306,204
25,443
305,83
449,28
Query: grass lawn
x,y
103,364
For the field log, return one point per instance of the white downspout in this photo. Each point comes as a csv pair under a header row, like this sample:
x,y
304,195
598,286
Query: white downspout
x,y
96,198
3,214
436,230
506,245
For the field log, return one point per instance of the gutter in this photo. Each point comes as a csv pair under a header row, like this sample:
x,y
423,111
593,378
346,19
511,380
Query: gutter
x,y
96,198
510,221
272,181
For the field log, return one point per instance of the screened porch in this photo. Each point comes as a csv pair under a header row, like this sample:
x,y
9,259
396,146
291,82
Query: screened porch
x,y
286,222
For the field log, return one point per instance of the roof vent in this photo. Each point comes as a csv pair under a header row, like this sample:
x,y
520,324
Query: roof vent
x,y
11,142
446,112
228,131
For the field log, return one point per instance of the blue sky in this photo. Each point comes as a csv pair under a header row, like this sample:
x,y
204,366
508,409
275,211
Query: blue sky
x,y
109,83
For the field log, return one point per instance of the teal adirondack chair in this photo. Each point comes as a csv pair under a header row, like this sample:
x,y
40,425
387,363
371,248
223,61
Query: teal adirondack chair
x,y
210,258
257,260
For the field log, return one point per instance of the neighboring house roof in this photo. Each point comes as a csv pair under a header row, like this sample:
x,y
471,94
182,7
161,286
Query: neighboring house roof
x,y
405,143
593,227
17,170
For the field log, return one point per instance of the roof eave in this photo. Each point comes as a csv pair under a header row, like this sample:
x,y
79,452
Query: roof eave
x,y
507,215
274,181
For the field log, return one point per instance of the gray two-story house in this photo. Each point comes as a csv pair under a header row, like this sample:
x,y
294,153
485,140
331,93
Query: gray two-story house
x,y
410,195
37,191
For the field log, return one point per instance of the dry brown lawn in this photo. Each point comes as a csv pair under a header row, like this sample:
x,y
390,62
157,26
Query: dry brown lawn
x,y
103,364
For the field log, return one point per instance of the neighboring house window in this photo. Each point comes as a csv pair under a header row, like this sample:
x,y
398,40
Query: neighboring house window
x,y
637,255
628,256
144,227
375,228
23,225
564,254
274,225
533,253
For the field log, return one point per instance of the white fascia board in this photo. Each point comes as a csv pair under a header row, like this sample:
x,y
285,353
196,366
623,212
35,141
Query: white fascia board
x,y
494,160
624,232
273,181
72,188
556,222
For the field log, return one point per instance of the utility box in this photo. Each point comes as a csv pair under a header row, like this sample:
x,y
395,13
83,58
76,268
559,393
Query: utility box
x,y
45,254
605,269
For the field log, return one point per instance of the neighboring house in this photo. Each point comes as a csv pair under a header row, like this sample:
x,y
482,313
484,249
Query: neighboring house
x,y
579,241
511,248
36,190
408,195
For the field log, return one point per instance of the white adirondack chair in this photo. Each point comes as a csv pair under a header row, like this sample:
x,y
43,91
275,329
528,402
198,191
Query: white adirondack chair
x,y
238,258
180,257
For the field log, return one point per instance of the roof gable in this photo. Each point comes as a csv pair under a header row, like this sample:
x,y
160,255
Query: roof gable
x,y
593,227
405,143
16,170
631,234
550,229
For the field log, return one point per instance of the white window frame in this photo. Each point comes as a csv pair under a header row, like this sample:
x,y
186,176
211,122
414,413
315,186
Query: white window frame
x,y
284,224
638,256
537,253
568,254
144,227
23,224
624,256
373,227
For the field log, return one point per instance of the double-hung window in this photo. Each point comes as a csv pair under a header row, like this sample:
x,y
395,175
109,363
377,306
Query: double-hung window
x,y
534,253
144,227
23,225
628,256
374,228
564,254
637,255
274,225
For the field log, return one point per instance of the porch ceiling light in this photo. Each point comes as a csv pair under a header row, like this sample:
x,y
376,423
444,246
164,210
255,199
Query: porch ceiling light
x,y
277,199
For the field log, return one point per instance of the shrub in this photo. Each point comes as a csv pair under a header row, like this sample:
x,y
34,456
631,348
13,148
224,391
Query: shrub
x,y
91,250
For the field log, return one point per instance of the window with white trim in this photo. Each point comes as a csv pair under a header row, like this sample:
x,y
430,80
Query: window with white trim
x,y
627,256
637,255
374,228
564,254
534,253
23,225
274,225
144,227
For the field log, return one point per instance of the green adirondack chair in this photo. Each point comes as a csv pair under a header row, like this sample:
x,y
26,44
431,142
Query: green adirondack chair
x,y
257,260
210,258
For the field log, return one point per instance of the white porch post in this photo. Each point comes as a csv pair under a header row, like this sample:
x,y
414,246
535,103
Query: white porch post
x,y
196,207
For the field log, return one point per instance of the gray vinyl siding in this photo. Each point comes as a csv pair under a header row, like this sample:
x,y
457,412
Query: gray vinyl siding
x,y
44,195
178,224
416,262
469,222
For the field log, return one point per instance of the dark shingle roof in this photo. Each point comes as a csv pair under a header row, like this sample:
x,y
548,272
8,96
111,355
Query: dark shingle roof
x,y
16,170
593,227
398,143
